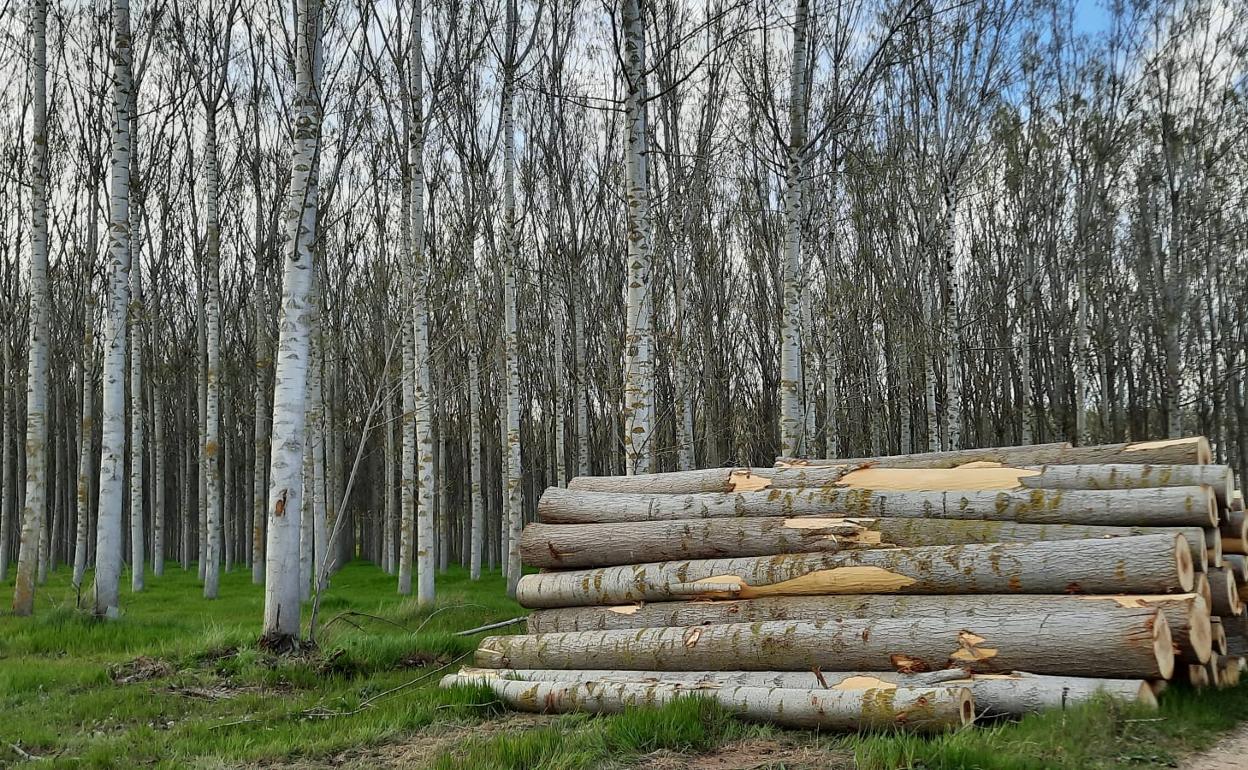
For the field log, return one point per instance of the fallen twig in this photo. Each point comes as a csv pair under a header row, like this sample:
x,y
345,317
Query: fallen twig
x,y
491,626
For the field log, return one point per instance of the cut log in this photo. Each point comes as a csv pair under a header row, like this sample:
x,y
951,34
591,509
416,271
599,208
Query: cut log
x,y
1229,668
564,546
1148,564
1086,640
1237,500
1234,526
1224,591
981,477
1213,541
1194,450
1162,507
1237,564
918,710
1196,674
1202,587
1186,614
995,694
1219,636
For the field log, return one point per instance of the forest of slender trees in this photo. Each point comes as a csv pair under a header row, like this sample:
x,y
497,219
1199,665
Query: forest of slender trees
x,y
290,282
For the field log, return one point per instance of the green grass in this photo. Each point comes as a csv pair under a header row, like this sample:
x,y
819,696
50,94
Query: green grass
x,y
177,681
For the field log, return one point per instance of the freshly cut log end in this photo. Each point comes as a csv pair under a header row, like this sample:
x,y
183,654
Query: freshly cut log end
x,y
1213,552
1186,569
1203,589
1219,641
1197,674
920,710
1225,592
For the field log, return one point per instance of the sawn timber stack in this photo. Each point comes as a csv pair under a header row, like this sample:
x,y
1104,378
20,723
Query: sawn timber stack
x,y
910,591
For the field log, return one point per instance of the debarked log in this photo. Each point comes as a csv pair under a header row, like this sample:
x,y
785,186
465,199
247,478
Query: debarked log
x,y
1147,564
1191,450
1164,506
920,710
1086,640
995,694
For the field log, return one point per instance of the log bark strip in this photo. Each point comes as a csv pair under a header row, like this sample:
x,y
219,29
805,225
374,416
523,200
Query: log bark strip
x,y
995,694
1086,640
1165,506
1150,564
918,710
1187,615
564,546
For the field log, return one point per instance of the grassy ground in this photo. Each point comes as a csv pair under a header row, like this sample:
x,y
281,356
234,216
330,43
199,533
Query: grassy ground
x,y
178,682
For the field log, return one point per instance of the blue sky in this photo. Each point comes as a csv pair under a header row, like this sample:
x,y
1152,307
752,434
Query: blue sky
x,y
1091,17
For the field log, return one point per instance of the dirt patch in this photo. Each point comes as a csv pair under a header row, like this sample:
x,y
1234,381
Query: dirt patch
x,y
751,755
420,749
1227,754
140,669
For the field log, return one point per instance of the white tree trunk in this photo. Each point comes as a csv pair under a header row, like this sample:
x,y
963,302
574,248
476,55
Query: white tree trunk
x,y
582,402
264,363
40,308
513,486
136,321
212,312
426,552
159,471
477,454
281,590
952,331
639,346
792,422
108,544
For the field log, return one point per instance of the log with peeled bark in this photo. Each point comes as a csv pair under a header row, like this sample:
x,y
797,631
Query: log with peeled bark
x,y
1147,564
1193,450
919,710
978,477
995,694
1224,591
1084,640
567,546
1160,507
1186,614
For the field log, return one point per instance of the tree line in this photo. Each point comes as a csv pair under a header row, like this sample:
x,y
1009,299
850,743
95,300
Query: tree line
x,y
291,283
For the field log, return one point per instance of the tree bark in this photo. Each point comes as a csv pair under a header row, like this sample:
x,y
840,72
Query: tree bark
x,y
1013,694
919,710
1161,507
1225,592
108,548
1144,564
564,546
281,588
1082,640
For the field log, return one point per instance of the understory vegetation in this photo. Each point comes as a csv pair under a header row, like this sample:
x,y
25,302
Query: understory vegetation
x,y
178,682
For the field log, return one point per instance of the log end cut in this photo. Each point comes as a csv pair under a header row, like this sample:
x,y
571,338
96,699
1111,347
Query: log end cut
x,y
1163,647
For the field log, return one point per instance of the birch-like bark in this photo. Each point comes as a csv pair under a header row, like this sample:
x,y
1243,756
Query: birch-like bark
x,y
582,398
135,321
108,543
201,372
557,378
1080,364
407,425
792,423
425,551
37,382
7,474
952,333
390,519
212,313
639,364
158,482
477,453
1026,436
281,590
261,434
514,478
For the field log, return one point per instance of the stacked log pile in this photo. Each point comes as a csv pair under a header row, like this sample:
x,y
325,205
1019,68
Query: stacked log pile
x,y
911,591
